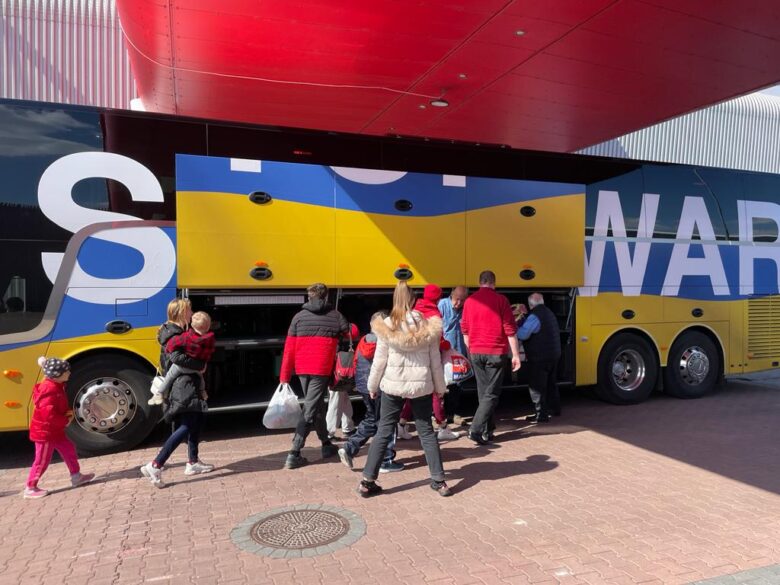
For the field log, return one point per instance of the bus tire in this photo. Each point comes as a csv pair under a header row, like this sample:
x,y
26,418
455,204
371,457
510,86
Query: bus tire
x,y
109,396
693,367
627,370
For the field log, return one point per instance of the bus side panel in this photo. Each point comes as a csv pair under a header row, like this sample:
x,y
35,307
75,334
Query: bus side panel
x,y
16,389
585,359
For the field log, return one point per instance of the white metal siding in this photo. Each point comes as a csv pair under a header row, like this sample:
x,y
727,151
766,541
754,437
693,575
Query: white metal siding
x,y
743,133
64,51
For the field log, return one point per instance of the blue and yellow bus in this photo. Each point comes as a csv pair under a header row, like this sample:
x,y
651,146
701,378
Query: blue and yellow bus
x,y
664,277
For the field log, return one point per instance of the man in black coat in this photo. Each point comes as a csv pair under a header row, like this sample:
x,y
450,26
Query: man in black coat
x,y
541,337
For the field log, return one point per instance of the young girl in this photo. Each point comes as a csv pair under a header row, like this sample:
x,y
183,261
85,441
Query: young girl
x,y
47,427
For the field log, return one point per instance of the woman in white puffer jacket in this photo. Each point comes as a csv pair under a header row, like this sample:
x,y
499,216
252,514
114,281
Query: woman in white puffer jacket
x,y
407,364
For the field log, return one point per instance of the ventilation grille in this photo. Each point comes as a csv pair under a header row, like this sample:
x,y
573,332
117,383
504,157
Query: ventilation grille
x,y
764,327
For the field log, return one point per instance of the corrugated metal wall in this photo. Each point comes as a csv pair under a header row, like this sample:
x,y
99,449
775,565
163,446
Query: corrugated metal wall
x,y
65,51
743,133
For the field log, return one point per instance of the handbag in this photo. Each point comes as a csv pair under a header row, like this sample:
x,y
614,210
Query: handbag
x,y
344,372
457,367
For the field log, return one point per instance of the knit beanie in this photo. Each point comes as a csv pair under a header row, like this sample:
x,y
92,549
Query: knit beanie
x,y
53,367
432,293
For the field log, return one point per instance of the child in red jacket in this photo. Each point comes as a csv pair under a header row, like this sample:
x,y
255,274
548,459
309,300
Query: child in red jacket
x,y
47,428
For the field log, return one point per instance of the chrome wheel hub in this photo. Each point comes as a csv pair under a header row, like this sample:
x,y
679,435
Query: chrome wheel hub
x,y
105,405
694,365
628,370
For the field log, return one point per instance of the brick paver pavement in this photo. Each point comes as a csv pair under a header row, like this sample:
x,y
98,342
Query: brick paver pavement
x,y
670,491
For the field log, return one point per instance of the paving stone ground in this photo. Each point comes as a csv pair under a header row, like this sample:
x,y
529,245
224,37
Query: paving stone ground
x,y
666,492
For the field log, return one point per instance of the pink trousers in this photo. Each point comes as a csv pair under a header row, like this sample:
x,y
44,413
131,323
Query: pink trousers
x,y
438,409
43,455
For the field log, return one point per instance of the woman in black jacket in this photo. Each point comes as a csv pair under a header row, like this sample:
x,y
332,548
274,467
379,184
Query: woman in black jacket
x,y
185,407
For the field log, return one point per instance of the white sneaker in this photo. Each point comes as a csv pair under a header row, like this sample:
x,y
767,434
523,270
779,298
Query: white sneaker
x,y
153,474
34,493
155,399
403,433
446,434
197,468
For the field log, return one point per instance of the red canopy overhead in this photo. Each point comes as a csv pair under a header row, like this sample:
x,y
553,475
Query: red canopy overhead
x,y
550,75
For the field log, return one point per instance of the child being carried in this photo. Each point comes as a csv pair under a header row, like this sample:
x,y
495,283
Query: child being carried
x,y
198,343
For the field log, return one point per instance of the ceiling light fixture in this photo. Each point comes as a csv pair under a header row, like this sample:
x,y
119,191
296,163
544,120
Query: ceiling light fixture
x,y
440,103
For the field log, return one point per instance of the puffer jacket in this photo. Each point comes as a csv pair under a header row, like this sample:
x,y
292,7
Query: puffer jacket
x,y
185,391
166,332
50,413
312,341
407,361
364,356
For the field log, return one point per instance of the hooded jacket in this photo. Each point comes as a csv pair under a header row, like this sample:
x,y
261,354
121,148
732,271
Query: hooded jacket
x,y
50,415
407,361
185,391
312,341
364,356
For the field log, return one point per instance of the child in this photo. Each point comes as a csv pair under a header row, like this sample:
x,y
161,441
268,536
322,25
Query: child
x,y
364,356
197,343
47,427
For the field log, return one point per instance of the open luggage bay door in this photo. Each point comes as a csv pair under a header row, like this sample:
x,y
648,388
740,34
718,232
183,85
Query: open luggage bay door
x,y
256,224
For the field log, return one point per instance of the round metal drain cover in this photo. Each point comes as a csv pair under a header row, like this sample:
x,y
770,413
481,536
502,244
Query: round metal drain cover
x,y
299,531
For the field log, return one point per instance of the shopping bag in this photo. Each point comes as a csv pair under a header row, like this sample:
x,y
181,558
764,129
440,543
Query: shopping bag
x,y
157,383
457,367
283,410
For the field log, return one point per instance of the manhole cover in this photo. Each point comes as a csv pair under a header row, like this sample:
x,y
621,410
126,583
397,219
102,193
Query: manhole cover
x,y
299,531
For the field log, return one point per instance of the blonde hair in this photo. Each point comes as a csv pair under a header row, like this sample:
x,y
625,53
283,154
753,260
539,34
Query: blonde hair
x,y
201,322
403,302
177,311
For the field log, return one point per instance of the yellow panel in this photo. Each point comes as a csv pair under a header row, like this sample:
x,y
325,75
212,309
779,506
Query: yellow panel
x,y
551,243
221,237
681,310
16,391
370,247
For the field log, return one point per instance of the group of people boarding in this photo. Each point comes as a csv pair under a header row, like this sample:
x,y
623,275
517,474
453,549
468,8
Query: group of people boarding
x,y
398,372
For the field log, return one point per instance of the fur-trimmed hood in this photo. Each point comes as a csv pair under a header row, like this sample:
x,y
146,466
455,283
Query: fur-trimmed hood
x,y
416,331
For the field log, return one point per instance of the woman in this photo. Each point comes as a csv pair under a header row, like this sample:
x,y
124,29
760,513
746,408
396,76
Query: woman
x,y
407,364
185,409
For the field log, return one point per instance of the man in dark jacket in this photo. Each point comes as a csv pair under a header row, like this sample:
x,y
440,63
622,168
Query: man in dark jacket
x,y
541,338
310,353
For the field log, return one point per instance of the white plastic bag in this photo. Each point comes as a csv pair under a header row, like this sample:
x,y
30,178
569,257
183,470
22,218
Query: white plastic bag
x,y
283,411
457,367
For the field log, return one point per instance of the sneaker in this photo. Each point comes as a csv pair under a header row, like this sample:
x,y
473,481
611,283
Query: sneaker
x,y
391,467
403,433
155,399
33,493
346,458
441,488
446,434
153,473
295,461
366,489
478,439
78,479
329,450
197,468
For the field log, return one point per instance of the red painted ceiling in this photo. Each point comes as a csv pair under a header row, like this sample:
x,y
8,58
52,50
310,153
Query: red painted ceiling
x,y
578,73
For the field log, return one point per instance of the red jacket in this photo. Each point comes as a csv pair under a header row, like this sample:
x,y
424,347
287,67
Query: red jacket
x,y
50,412
487,321
312,341
195,345
430,309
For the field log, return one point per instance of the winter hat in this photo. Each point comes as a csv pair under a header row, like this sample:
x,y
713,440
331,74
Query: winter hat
x,y
431,292
53,367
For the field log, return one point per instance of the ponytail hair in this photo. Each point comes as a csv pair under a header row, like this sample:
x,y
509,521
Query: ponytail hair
x,y
403,302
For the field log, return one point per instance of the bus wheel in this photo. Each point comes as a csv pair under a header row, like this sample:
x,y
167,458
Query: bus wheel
x,y
693,366
109,397
627,370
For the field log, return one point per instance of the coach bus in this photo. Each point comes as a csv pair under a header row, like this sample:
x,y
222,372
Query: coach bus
x,y
664,277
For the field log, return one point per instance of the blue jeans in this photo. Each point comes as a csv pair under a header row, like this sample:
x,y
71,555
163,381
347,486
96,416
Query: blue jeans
x,y
367,429
186,425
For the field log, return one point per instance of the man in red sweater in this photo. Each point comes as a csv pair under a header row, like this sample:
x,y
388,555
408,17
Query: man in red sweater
x,y
489,331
